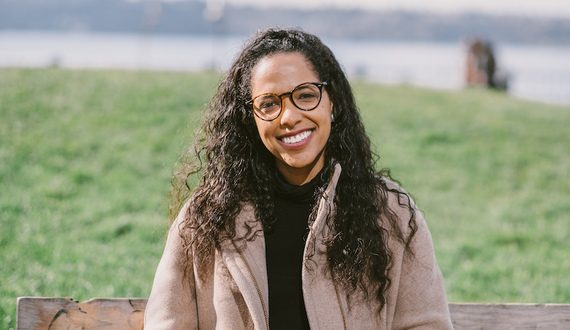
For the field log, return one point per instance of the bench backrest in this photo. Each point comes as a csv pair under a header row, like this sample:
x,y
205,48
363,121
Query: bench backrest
x,y
123,313
510,316
64,313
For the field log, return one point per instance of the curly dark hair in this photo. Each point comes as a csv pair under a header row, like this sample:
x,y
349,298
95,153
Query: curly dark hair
x,y
236,168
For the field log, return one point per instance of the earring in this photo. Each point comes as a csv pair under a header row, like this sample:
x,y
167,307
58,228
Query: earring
x,y
332,117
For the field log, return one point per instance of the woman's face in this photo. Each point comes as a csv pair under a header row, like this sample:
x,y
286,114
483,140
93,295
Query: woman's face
x,y
296,138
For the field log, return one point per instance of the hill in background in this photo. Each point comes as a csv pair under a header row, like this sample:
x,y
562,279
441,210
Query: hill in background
x,y
190,18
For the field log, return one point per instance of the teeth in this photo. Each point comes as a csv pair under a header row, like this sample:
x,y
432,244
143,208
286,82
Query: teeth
x,y
297,138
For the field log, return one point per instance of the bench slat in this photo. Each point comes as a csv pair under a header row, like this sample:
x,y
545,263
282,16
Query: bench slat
x,y
65,313
123,313
510,316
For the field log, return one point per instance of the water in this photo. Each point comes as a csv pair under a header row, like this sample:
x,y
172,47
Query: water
x,y
540,73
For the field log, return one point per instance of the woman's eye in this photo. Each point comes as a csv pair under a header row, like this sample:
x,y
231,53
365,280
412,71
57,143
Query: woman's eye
x,y
306,96
306,93
268,104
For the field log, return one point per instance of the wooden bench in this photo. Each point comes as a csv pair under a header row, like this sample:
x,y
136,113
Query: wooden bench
x,y
124,313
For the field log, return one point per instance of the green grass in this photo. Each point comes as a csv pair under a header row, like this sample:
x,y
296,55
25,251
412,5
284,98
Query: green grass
x,y
85,162
492,175
86,159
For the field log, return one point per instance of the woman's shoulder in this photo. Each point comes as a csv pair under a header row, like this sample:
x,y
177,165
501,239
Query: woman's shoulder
x,y
398,204
187,220
397,198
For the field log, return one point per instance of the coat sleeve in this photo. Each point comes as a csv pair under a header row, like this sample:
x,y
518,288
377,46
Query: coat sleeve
x,y
421,302
172,301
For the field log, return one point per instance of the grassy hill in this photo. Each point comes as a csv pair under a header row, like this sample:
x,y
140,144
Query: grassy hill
x,y
86,159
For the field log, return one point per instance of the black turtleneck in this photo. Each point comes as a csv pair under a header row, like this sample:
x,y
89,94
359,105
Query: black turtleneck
x,y
284,246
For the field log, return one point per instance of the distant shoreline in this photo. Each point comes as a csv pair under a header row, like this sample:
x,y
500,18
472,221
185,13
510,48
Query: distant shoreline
x,y
539,73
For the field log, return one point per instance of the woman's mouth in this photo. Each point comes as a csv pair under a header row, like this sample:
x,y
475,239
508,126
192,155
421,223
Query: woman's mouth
x,y
296,138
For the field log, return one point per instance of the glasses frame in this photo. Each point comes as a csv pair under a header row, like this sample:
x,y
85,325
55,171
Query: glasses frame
x,y
319,85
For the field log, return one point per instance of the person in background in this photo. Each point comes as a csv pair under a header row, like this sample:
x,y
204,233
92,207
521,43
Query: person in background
x,y
290,226
481,67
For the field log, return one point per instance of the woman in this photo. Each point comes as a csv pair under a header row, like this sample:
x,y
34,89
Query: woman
x,y
290,227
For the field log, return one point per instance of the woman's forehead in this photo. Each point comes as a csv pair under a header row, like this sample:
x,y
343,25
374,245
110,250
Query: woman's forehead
x,y
282,71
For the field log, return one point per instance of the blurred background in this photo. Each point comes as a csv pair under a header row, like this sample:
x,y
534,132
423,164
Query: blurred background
x,y
416,42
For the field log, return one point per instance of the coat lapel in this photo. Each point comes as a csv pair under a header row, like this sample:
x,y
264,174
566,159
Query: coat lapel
x,y
322,302
248,263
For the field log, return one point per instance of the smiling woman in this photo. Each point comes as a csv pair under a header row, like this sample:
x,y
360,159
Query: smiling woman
x,y
290,227
296,138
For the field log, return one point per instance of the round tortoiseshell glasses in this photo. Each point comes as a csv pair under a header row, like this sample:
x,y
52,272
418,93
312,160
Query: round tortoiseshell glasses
x,y
269,106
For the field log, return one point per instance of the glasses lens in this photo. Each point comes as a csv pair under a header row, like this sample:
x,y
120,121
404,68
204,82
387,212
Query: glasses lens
x,y
306,97
267,106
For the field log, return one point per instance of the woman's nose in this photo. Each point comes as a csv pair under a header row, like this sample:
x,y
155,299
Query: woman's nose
x,y
290,115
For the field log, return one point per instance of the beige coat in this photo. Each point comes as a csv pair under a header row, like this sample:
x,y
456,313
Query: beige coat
x,y
236,295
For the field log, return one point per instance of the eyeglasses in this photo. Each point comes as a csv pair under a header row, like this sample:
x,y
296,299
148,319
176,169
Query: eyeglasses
x,y
306,97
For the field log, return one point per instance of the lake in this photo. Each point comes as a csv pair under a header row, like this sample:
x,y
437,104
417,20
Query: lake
x,y
536,72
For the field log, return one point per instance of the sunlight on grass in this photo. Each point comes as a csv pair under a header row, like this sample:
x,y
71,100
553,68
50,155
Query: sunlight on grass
x,y
492,175
86,159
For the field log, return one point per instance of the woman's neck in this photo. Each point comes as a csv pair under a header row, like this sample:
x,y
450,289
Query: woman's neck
x,y
300,176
